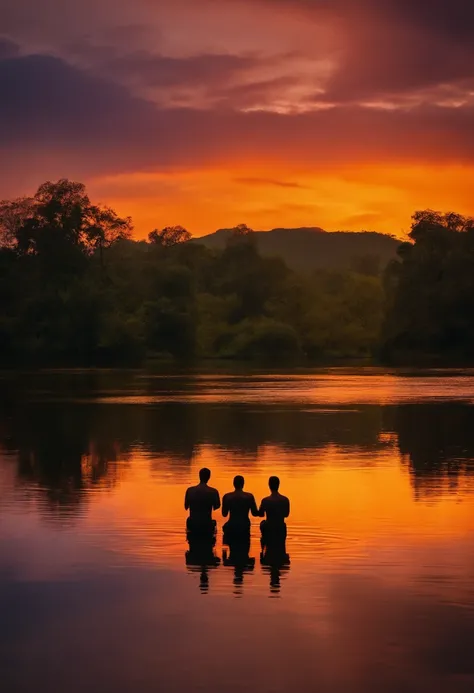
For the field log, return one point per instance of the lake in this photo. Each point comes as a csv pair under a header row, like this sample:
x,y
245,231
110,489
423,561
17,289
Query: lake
x,y
96,590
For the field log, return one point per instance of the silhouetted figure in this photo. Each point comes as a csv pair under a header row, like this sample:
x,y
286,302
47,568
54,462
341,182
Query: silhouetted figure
x,y
276,508
238,504
201,500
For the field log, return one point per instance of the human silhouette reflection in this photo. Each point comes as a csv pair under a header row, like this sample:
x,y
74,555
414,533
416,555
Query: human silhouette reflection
x,y
201,556
275,560
238,557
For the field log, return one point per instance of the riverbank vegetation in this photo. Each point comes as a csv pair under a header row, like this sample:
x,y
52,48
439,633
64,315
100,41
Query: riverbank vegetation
x,y
75,289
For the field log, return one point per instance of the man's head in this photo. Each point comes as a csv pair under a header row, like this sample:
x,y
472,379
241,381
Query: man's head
x,y
274,483
204,475
239,482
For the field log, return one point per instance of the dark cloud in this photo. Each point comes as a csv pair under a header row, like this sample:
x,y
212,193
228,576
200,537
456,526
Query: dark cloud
x,y
399,64
404,51
8,49
56,120
220,80
42,96
393,48
102,88
452,19
446,17
66,120
162,71
389,50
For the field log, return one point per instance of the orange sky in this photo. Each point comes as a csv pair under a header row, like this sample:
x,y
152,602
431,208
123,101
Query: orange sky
x,y
369,197
349,114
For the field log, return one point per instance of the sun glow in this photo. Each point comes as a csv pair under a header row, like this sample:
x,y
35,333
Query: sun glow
x,y
357,197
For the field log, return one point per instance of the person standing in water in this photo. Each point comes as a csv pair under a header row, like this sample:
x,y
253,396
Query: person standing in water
x,y
275,508
238,504
201,500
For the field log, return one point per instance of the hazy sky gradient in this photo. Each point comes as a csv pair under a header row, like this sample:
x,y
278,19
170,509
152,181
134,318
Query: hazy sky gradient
x,y
345,114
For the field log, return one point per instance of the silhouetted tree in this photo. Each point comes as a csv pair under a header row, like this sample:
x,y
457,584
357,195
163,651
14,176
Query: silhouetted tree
x,y
169,236
241,234
430,291
242,230
76,290
59,214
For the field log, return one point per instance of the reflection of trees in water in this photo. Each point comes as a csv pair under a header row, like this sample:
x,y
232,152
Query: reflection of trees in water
x,y
64,453
67,448
437,440
244,429
172,433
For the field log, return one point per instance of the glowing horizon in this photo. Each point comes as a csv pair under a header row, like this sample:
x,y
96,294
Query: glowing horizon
x,y
274,113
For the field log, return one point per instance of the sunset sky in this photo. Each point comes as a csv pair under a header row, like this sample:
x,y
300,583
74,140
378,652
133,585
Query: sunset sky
x,y
344,114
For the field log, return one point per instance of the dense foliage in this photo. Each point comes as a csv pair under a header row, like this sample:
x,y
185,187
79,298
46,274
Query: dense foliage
x,y
76,290
430,293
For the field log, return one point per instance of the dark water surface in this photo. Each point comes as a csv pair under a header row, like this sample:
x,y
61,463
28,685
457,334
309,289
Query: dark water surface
x,y
95,593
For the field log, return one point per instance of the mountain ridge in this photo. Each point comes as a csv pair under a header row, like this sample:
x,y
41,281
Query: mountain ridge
x,y
310,247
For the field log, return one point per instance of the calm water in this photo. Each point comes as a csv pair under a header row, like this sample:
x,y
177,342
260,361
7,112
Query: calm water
x,y
95,593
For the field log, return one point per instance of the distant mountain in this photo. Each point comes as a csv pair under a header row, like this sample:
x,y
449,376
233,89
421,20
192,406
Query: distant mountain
x,y
312,248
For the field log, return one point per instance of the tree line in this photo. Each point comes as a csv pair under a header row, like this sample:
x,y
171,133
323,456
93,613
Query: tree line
x,y
75,289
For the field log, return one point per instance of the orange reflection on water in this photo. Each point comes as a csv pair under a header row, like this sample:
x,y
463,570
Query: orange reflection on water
x,y
348,508
378,592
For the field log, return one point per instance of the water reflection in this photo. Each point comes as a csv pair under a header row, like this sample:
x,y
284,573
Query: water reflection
x,y
275,561
63,455
380,536
437,441
237,556
63,452
201,557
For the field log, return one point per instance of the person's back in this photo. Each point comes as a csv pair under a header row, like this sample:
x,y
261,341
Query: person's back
x,y
275,508
239,504
201,500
